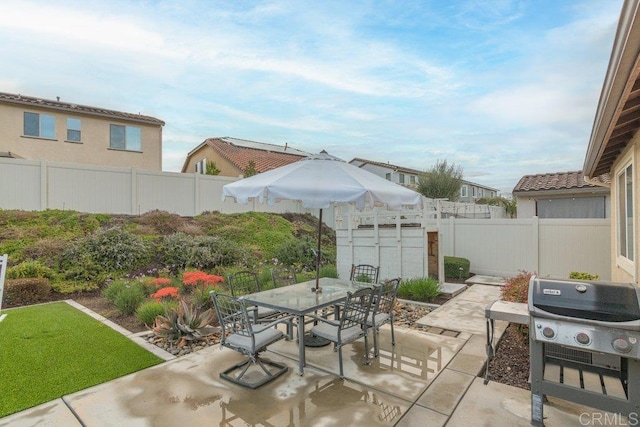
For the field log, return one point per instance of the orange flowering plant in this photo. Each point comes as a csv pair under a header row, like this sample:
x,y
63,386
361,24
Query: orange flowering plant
x,y
169,292
161,282
200,278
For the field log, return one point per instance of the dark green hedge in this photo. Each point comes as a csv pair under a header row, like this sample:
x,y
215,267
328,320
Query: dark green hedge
x,y
452,267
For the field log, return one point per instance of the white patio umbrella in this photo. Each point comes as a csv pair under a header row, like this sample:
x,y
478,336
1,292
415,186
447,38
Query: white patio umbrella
x,y
319,181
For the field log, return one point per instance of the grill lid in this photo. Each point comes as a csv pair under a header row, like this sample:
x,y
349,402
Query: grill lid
x,y
600,301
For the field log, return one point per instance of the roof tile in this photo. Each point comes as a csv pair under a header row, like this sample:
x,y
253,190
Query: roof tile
x,y
264,158
556,181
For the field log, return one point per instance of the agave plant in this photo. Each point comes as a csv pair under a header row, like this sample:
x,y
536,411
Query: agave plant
x,y
188,323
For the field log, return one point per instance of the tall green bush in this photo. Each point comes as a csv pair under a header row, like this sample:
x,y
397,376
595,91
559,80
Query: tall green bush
x,y
452,266
422,289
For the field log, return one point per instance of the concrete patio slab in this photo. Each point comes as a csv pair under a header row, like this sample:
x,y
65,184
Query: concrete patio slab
x,y
497,404
189,391
466,312
50,414
452,289
421,416
471,358
486,280
446,391
481,293
404,370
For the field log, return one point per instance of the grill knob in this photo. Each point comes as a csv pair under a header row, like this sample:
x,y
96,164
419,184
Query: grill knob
x,y
548,332
583,338
621,345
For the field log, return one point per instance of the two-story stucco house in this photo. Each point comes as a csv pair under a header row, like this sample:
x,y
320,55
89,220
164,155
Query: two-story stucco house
x,y
614,145
232,156
41,129
469,191
394,173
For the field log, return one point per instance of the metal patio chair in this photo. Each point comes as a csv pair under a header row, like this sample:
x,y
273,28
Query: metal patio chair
x,y
364,273
351,326
382,310
246,282
239,333
283,276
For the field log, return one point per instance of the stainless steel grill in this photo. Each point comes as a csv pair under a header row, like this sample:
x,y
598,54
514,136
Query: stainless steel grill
x,y
584,344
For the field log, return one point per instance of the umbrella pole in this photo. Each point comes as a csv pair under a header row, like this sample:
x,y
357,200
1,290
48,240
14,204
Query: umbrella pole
x,y
319,254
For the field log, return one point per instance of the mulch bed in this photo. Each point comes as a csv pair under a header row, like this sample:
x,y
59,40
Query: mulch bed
x,y
510,365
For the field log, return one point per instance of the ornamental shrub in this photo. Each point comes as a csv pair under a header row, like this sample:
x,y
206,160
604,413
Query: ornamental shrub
x,y
26,291
180,251
33,269
516,289
452,267
114,249
299,252
583,276
149,310
129,299
422,289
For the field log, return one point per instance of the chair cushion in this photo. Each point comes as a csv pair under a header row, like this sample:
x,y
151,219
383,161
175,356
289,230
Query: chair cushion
x,y
266,312
330,332
380,318
263,338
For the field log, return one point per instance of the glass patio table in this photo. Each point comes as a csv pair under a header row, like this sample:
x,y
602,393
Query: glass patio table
x,y
299,300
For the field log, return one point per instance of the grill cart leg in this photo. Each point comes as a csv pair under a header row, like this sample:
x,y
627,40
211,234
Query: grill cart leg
x,y
536,356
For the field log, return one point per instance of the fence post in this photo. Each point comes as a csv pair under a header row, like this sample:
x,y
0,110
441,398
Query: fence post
x,y
196,194
535,244
134,191
44,185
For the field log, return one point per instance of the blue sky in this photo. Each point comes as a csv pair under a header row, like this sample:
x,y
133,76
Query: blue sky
x,y
501,88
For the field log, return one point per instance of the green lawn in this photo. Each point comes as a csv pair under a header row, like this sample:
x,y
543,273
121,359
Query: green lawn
x,y
51,350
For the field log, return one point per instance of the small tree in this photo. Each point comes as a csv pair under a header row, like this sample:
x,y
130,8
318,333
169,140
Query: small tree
x,y
442,181
250,170
510,206
212,168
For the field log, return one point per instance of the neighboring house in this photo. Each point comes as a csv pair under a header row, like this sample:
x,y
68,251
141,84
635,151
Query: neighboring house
x,y
398,174
614,146
41,129
561,195
469,191
232,156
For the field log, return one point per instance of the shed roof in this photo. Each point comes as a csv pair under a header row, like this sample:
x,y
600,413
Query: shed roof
x,y
573,180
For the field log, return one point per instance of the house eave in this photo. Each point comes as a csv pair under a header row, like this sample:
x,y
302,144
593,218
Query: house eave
x,y
620,81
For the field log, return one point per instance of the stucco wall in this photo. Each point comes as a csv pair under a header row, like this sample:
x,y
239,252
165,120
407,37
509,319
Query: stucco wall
x,y
93,148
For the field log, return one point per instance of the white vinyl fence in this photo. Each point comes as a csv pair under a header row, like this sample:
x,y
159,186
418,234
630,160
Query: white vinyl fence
x,y
499,247
38,185
494,246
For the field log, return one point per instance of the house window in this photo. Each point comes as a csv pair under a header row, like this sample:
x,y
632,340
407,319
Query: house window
x,y
625,213
388,176
125,138
480,192
474,192
39,125
464,191
73,130
401,178
412,179
201,166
